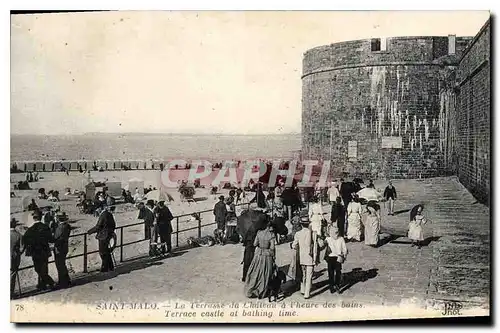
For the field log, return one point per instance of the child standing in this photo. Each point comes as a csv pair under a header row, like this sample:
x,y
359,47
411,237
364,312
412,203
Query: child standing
x,y
336,254
416,231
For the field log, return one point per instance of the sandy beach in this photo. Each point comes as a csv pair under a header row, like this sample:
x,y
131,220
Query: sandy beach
x,y
125,214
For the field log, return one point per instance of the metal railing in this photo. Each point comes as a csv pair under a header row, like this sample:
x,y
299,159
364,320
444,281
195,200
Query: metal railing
x,y
122,244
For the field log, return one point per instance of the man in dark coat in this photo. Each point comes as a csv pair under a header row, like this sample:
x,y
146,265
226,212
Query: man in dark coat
x,y
105,229
15,254
37,239
164,219
220,213
390,195
146,213
346,189
338,216
61,239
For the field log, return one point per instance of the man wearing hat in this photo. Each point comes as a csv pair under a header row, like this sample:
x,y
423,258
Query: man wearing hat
x,y
164,219
220,212
303,241
146,213
36,240
104,230
15,254
61,246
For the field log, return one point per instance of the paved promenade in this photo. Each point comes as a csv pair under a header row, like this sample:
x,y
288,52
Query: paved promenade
x,y
453,266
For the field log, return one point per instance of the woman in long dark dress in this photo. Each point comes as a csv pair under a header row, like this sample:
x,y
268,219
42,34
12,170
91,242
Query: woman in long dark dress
x,y
261,268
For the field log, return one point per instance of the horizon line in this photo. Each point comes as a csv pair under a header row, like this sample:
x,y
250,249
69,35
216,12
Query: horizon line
x,y
155,133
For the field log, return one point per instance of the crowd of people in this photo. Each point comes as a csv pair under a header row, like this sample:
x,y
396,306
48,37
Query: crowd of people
x,y
315,234
316,237
49,227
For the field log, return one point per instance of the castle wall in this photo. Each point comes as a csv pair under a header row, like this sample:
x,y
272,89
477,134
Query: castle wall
x,y
473,116
374,100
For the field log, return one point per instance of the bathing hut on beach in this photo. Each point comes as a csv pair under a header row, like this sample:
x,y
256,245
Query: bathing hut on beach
x,y
30,166
39,166
135,183
73,166
101,164
21,166
48,166
57,166
149,165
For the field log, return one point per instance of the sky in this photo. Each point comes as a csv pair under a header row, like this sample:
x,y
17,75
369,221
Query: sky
x,y
184,72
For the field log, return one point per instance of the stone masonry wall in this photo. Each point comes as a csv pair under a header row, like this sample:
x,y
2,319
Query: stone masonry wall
x,y
351,93
473,108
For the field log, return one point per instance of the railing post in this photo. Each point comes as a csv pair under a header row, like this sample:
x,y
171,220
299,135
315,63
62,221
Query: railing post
x,y
199,225
85,253
177,233
121,244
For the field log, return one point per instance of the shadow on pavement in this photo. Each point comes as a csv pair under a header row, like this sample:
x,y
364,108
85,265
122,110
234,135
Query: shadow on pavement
x,y
124,268
429,240
357,275
386,238
402,211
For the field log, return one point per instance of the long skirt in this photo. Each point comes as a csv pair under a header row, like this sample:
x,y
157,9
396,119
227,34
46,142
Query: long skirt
x,y
354,227
416,232
259,273
372,229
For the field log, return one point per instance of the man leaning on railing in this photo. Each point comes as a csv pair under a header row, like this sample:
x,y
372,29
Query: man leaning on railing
x,y
105,229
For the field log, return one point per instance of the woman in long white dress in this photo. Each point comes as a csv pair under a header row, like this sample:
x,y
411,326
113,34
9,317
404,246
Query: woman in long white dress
x,y
415,228
316,217
354,211
372,224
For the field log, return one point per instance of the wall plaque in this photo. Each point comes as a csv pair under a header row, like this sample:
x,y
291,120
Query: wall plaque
x,y
392,142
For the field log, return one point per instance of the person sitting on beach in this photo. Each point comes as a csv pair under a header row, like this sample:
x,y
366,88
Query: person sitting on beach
x,y
53,196
32,205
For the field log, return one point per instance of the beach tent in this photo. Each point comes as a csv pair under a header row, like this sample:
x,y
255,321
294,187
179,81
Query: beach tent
x,y
73,166
149,165
101,164
114,189
48,166
158,195
21,166
30,166
65,164
38,166
136,183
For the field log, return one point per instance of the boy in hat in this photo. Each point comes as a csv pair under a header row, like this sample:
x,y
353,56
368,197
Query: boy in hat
x,y
303,240
15,254
36,240
335,256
